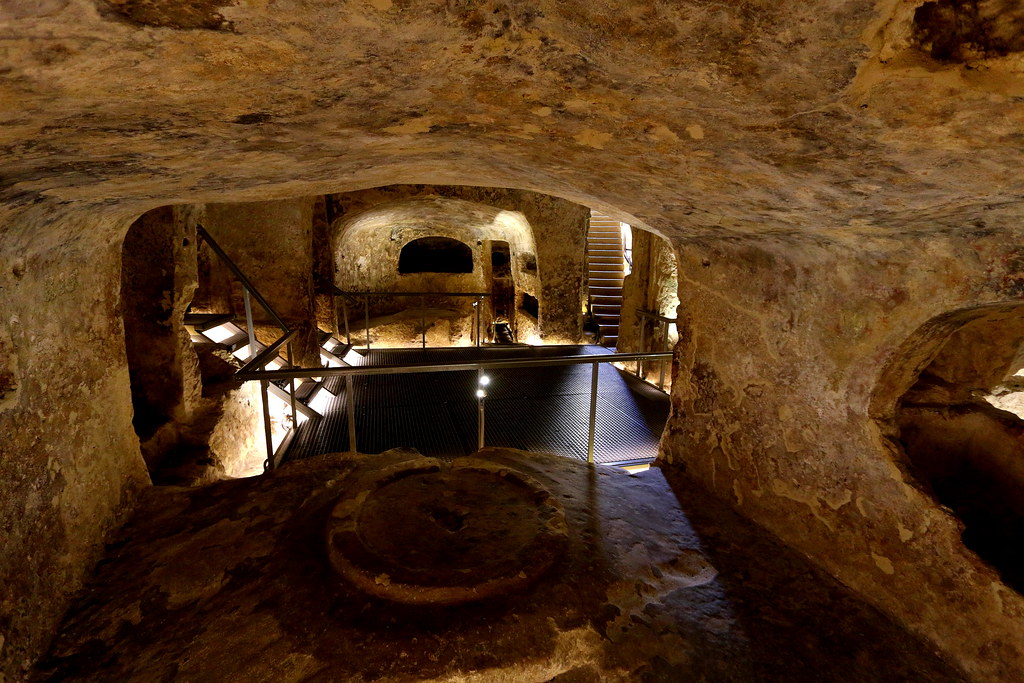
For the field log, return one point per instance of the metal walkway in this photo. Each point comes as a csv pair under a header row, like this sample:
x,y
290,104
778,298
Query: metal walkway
x,y
533,408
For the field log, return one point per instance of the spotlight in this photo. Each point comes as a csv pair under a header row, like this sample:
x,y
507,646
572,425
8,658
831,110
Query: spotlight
x,y
480,393
484,380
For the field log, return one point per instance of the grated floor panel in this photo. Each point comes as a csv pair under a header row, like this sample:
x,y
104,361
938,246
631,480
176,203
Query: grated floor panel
x,y
538,409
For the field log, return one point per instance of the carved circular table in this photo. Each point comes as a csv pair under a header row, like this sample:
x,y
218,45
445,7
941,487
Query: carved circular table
x,y
427,532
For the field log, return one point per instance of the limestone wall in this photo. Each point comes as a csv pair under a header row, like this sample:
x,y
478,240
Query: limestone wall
x,y
367,247
272,243
69,460
559,230
158,280
795,352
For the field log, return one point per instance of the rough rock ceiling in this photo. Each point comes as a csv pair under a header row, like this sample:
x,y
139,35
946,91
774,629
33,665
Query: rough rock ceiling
x,y
681,116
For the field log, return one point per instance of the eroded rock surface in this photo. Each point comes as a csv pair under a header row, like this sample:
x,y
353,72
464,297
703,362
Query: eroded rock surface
x,y
659,582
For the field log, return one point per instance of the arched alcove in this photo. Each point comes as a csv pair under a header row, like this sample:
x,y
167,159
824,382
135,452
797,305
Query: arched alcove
x,y
951,416
435,255
433,244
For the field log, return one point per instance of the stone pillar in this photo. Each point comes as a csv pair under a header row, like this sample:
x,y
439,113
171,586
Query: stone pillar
x,y
793,356
69,461
560,229
158,278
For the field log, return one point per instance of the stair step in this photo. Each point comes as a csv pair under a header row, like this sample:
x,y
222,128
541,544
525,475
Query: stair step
x,y
236,342
299,405
201,322
605,275
304,391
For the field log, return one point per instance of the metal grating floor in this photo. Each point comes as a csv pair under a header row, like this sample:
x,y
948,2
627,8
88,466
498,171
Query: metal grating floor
x,y
538,409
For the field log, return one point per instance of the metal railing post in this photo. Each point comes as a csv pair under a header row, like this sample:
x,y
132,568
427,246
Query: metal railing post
x,y
664,347
248,322
643,340
593,413
480,398
269,464
423,321
350,407
344,311
291,386
366,312
478,307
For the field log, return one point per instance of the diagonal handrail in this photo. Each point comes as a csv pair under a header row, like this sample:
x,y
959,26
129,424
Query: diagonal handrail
x,y
257,363
201,231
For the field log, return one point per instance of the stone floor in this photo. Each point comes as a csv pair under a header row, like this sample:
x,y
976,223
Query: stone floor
x,y
658,582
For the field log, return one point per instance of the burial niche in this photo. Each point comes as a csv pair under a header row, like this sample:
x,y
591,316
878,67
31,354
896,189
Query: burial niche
x,y
960,426
435,255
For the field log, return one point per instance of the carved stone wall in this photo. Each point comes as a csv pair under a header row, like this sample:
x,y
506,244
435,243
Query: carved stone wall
x,y
559,230
652,286
70,464
794,356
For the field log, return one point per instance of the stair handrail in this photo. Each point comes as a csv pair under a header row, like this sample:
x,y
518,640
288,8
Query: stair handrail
x,y
258,361
246,283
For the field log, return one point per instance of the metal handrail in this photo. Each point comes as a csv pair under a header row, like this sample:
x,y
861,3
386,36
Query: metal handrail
x,y
201,231
479,295
655,316
411,368
258,361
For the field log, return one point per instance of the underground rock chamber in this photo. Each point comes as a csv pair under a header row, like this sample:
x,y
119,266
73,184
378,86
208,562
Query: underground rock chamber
x,y
651,579
961,428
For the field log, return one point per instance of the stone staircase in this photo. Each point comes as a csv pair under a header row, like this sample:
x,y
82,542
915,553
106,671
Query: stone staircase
x,y
605,274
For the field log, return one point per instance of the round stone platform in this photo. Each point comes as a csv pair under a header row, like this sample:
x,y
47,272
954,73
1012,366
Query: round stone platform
x,y
428,532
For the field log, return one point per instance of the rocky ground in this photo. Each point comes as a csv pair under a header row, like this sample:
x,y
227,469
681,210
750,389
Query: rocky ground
x,y
658,582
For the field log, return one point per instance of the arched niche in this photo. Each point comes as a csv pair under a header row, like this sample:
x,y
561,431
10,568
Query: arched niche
x,y
435,255
951,403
